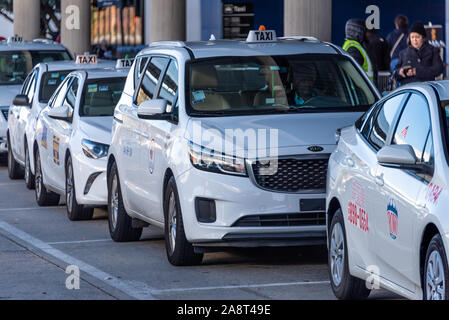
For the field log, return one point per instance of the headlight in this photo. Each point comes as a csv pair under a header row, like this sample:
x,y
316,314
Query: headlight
x,y
208,160
94,150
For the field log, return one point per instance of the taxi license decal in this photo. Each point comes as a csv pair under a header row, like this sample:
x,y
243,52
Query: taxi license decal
x,y
44,137
92,88
104,88
393,219
433,193
52,82
56,150
198,97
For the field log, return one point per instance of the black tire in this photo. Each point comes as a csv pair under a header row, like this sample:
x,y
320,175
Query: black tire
x,y
436,245
348,287
183,253
120,223
28,175
44,198
15,170
75,211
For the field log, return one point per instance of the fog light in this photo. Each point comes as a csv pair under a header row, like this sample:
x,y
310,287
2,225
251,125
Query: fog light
x,y
90,182
205,210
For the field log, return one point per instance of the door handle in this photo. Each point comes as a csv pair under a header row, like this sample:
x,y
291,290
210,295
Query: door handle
x,y
380,181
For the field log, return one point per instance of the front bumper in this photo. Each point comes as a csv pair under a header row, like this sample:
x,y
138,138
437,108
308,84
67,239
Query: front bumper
x,y
236,198
90,180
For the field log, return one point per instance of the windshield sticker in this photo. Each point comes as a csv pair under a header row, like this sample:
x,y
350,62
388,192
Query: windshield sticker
x,y
104,88
198,97
393,219
55,75
433,193
270,101
92,88
56,150
15,56
52,82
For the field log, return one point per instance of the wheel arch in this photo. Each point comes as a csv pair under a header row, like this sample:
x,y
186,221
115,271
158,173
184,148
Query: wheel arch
x,y
334,205
111,160
429,232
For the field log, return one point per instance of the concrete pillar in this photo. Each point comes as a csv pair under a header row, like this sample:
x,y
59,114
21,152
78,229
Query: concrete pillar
x,y
75,25
308,18
168,20
27,18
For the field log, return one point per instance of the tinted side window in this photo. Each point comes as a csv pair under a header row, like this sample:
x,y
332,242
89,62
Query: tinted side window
x,y
384,120
414,125
151,79
169,88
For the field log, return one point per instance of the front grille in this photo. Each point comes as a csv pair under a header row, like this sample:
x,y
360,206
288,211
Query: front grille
x,y
292,175
283,220
5,112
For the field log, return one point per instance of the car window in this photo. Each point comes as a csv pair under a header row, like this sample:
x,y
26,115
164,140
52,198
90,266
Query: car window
x,y
169,88
101,97
49,83
150,79
428,156
70,97
140,65
384,120
414,125
60,96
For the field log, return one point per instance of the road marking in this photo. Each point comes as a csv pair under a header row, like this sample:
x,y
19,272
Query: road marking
x,y
79,242
5,184
249,286
29,209
133,289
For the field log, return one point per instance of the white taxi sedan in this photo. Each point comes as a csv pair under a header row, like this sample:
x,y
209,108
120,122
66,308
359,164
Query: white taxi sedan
x,y
388,197
36,91
72,141
226,143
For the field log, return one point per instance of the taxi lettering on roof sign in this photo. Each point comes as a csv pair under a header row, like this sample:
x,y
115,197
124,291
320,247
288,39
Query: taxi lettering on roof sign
x,y
15,39
87,59
124,63
261,36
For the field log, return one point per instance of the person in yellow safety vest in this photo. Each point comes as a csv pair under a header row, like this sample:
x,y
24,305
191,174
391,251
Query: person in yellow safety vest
x,y
355,36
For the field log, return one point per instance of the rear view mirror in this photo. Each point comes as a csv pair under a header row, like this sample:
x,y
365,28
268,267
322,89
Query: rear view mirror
x,y
63,113
153,109
21,100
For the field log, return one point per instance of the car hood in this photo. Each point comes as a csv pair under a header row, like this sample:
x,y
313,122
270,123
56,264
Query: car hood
x,y
7,94
97,129
292,130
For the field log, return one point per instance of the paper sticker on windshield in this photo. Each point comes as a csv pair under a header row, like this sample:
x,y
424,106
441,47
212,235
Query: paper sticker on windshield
x,y
52,82
92,88
56,150
104,88
270,101
55,75
198,96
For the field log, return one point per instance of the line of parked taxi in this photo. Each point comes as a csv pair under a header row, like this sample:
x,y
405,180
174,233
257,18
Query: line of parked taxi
x,y
233,144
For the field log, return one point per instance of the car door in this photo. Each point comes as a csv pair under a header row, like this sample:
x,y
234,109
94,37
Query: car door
x,y
15,118
361,167
24,114
157,144
50,139
398,197
145,136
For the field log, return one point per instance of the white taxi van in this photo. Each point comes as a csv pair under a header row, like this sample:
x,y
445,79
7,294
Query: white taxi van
x,y
388,197
72,139
17,59
226,143
36,91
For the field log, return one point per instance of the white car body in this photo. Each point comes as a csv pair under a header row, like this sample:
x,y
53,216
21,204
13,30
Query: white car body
x,y
23,120
160,149
392,213
55,140
8,92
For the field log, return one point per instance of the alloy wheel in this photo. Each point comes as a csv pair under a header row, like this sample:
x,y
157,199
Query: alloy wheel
x,y
435,281
337,254
172,221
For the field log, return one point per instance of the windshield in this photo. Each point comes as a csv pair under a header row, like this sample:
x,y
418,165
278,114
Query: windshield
x,y
101,96
276,84
49,83
15,65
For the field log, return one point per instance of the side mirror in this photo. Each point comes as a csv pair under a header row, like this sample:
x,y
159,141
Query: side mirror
x,y
155,109
401,157
21,100
63,113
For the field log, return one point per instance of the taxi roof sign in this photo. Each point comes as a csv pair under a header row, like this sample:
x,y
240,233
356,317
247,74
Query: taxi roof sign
x,y
87,59
261,36
124,63
15,39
